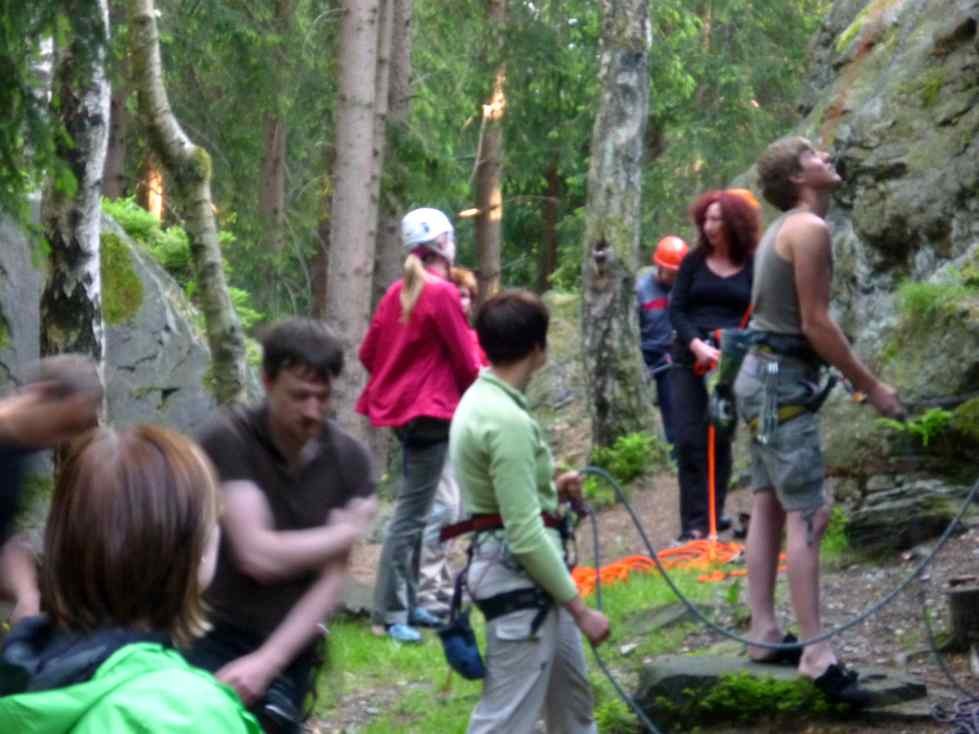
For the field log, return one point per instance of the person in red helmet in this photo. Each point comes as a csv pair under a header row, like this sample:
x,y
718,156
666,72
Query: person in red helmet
x,y
653,288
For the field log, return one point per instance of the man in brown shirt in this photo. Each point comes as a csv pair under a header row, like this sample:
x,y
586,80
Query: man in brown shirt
x,y
298,494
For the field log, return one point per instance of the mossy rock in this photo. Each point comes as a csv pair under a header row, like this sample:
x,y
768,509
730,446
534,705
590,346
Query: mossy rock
x,y
965,421
122,289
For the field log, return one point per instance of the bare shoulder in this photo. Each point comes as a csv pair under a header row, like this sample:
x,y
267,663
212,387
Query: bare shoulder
x,y
805,233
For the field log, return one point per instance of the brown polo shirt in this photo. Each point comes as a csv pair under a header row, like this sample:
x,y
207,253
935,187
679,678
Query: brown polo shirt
x,y
238,442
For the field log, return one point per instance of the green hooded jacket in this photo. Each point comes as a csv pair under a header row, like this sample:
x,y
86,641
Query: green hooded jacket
x,y
142,688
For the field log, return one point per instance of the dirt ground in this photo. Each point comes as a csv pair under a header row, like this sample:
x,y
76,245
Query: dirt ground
x,y
893,638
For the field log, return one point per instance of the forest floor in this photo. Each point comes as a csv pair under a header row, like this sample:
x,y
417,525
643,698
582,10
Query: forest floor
x,y
895,638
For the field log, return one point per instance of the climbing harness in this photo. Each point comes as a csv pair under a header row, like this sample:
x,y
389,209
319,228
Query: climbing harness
x,y
458,639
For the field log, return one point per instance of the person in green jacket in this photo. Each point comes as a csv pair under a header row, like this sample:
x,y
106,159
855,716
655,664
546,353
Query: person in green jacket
x,y
535,663
131,542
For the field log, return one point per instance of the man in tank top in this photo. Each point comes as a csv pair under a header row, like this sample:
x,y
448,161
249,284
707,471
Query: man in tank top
x,y
790,297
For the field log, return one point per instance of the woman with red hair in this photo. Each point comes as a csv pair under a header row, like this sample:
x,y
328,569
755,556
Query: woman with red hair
x,y
712,291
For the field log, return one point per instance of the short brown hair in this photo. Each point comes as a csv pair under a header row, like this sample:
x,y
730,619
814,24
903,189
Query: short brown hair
x,y
777,165
511,324
300,342
130,520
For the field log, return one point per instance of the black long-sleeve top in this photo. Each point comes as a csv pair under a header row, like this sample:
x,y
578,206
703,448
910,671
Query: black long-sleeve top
x,y
702,301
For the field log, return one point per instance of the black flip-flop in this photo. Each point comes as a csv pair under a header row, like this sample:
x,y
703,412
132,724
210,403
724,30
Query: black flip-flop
x,y
841,685
783,657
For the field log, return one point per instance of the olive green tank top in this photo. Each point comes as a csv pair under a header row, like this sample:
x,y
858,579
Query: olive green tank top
x,y
774,298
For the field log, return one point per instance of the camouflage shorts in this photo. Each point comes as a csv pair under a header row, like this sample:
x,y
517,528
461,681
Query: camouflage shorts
x,y
791,463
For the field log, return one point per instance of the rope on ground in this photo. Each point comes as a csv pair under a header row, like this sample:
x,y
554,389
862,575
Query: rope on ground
x,y
858,619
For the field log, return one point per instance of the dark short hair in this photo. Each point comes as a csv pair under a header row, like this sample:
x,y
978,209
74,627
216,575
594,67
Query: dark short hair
x,y
130,519
511,324
301,342
777,165
66,375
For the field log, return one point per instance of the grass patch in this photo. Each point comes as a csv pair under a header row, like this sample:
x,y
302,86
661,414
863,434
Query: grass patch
x,y
407,684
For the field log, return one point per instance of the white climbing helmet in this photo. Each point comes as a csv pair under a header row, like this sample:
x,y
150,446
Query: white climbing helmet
x,y
422,226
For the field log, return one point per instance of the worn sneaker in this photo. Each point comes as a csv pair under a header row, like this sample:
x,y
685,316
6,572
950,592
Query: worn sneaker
x,y
404,634
424,618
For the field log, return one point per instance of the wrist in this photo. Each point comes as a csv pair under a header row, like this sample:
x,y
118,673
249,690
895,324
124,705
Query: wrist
x,y
576,607
272,659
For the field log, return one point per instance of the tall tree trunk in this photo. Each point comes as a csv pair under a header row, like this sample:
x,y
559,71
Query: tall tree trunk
x,y
489,163
387,267
547,261
188,169
320,266
113,174
610,332
382,85
71,303
272,186
352,234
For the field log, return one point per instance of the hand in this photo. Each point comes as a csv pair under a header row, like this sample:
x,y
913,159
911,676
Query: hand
x,y
249,675
26,606
356,516
593,625
884,397
705,355
568,486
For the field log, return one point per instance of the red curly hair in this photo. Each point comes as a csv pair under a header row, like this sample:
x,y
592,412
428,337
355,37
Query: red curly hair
x,y
742,223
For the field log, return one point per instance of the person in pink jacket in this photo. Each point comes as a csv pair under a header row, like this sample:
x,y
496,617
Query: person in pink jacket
x,y
420,357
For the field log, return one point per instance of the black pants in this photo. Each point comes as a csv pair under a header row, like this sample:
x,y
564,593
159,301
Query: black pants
x,y
689,406
280,710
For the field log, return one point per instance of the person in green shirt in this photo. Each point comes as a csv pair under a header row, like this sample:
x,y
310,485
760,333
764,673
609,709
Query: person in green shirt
x,y
534,664
131,542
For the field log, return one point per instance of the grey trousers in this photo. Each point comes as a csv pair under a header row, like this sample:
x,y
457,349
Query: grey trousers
x,y
436,577
528,675
424,447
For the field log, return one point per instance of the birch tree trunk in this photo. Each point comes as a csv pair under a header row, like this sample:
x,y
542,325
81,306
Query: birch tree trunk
x,y
352,233
71,303
113,173
387,267
489,163
188,168
610,331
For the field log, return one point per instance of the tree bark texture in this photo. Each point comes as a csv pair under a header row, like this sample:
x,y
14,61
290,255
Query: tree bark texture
x,y
547,257
382,85
113,174
272,185
352,233
489,165
388,256
188,168
71,303
610,331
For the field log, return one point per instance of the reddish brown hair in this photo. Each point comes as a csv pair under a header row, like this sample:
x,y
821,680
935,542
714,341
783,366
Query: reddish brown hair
x,y
464,278
130,519
742,223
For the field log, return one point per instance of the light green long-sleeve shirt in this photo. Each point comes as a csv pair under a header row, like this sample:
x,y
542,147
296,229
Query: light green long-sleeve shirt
x,y
504,466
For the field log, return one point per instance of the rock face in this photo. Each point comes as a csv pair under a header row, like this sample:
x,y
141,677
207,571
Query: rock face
x,y
157,361
893,95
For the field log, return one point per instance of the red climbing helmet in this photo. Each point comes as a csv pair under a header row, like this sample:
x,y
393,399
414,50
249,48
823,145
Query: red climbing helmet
x,y
670,251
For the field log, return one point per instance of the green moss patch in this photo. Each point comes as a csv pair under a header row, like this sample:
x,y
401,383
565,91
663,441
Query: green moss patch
x,y
965,421
122,290
743,698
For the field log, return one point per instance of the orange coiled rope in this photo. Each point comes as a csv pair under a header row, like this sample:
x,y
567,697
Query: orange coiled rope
x,y
707,555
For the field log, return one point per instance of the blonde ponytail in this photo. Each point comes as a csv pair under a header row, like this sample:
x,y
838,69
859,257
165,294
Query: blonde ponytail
x,y
414,283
